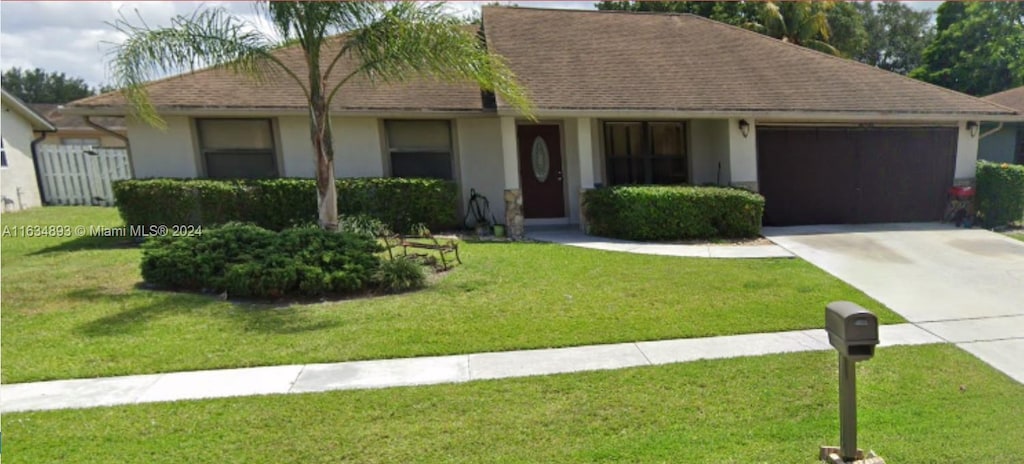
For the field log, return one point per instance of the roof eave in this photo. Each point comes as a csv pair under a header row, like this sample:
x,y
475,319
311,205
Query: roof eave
x,y
280,111
38,122
770,115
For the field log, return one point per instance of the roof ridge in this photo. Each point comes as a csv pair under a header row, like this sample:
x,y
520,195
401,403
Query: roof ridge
x,y
1012,89
850,61
573,10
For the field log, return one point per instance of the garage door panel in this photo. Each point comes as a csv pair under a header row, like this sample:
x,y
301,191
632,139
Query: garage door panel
x,y
850,175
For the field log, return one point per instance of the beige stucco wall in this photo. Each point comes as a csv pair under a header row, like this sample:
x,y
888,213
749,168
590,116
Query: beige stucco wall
x,y
168,152
296,147
358,150
478,145
18,186
571,169
357,147
966,153
742,154
709,151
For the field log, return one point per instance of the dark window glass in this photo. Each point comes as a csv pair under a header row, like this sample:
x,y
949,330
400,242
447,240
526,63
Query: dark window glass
x,y
420,148
645,152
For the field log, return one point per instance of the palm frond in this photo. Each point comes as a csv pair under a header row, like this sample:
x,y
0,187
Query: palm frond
x,y
208,38
772,21
408,39
821,46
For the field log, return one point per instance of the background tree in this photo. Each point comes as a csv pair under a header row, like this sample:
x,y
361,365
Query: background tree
x,y
735,13
896,35
978,48
39,86
387,42
829,27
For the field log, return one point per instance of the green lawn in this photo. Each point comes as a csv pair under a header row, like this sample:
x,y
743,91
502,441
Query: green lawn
x,y
71,307
776,409
1017,235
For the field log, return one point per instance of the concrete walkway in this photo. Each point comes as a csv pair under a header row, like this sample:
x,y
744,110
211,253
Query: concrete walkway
x,y
966,286
572,236
136,389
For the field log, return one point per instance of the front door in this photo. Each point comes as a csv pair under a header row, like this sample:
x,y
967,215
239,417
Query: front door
x,y
540,171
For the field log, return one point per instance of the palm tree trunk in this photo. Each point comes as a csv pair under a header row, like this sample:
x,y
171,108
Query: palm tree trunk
x,y
323,147
323,150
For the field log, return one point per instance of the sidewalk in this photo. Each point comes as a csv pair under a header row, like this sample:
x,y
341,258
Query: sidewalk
x,y
572,236
136,389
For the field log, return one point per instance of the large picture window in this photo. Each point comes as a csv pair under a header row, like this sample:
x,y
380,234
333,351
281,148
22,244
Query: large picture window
x,y
237,148
645,152
420,148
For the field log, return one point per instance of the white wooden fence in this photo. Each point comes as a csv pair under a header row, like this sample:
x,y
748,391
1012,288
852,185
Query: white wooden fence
x,y
80,174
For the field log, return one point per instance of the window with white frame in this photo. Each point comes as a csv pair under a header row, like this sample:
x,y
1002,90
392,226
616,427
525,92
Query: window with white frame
x,y
421,148
3,154
237,148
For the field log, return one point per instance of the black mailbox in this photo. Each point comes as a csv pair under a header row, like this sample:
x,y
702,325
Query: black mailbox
x,y
852,330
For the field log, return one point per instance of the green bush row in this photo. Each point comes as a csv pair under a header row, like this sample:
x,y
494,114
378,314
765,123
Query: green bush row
x,y
1000,194
280,203
673,212
248,261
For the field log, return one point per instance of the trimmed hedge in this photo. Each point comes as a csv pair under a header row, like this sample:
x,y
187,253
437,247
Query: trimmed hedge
x,y
277,204
249,261
1000,194
673,212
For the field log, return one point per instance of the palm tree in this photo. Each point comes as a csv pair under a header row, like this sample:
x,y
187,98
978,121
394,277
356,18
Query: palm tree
x,y
802,23
387,42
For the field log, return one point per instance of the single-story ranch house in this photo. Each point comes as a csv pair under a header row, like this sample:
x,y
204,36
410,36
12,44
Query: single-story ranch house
x,y
620,98
1003,142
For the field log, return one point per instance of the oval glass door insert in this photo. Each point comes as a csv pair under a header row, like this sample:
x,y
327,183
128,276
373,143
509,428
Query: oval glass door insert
x,y
541,160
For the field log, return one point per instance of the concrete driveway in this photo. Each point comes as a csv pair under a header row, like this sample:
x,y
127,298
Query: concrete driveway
x,y
964,285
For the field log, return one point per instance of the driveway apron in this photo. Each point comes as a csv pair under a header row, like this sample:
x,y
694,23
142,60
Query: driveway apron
x,y
966,286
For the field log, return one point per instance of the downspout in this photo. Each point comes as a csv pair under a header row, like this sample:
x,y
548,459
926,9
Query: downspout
x,y
987,133
124,138
35,161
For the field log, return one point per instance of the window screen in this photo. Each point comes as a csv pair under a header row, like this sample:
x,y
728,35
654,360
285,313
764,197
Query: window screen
x,y
237,148
420,148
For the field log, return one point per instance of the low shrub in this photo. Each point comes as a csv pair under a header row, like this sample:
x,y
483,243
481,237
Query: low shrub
x,y
1000,194
277,204
250,261
673,212
400,275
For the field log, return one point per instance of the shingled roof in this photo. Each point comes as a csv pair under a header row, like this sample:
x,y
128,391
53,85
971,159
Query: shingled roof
x,y
607,60
219,88
602,61
1013,98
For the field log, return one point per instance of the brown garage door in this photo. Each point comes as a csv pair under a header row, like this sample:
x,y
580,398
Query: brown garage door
x,y
818,175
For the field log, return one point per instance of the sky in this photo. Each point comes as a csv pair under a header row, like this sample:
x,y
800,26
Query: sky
x,y
74,37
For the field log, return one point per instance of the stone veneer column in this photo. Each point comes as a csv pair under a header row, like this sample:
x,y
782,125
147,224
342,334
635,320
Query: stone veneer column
x,y
584,220
752,186
514,222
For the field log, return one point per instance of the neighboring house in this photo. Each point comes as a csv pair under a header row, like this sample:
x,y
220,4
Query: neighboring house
x,y
74,130
21,128
1004,142
620,98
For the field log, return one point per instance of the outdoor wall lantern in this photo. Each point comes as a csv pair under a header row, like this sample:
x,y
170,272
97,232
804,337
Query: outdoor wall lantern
x,y
972,126
744,127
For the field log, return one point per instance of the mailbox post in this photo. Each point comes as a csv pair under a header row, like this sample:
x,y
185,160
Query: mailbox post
x,y
853,331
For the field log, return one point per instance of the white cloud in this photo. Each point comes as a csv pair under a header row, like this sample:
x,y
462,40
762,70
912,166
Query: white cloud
x,y
73,37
